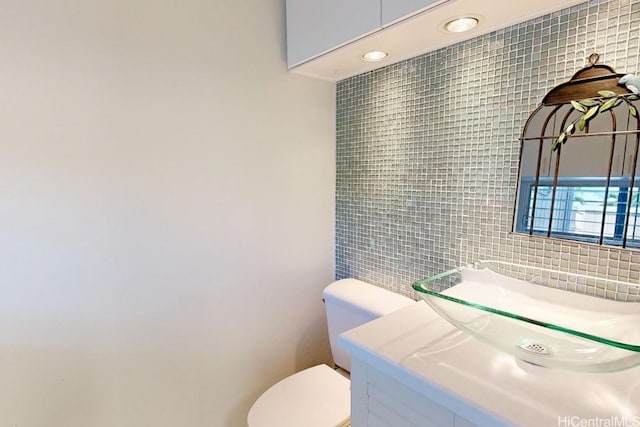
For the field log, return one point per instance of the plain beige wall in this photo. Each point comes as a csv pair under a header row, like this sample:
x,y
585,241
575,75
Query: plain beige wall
x,y
166,211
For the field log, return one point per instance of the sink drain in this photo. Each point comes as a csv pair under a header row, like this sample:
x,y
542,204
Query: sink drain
x,y
536,348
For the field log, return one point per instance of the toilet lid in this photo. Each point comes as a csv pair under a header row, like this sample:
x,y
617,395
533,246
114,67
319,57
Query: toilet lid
x,y
315,397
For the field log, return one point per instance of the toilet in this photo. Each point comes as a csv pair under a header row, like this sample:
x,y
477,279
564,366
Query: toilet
x,y
320,396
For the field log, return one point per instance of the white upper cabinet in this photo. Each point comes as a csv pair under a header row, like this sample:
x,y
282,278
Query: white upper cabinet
x,y
327,38
393,10
317,26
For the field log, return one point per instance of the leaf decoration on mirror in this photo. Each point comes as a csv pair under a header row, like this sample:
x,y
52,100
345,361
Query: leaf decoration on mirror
x,y
591,107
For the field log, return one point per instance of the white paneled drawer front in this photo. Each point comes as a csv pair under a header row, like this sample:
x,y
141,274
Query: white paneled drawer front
x,y
387,410
392,404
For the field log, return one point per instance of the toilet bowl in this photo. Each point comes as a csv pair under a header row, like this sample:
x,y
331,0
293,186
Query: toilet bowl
x,y
320,396
315,397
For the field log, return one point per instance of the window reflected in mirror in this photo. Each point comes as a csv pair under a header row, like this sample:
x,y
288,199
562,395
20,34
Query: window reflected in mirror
x,y
583,185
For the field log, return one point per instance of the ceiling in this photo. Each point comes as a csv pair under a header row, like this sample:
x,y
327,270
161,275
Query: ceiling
x,y
423,33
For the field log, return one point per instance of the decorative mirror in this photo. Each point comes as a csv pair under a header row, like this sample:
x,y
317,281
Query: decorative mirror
x,y
579,170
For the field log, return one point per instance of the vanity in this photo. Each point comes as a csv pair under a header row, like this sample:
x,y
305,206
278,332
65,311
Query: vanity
x,y
413,368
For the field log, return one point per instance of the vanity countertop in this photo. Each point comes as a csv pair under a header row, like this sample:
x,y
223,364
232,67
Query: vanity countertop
x,y
424,352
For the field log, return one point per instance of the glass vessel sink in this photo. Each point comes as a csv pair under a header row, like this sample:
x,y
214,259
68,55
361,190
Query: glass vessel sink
x,y
541,316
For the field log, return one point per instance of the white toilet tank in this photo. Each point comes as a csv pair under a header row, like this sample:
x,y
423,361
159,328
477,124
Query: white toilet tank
x,y
350,303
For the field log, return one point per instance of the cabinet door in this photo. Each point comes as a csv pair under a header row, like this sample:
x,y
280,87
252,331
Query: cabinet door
x,y
316,26
396,9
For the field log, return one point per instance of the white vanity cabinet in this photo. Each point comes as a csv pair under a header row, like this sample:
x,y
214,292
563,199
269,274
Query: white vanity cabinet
x,y
412,368
379,400
315,27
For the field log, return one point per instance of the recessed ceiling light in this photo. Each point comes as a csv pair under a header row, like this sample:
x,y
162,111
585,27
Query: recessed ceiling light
x,y
460,25
374,55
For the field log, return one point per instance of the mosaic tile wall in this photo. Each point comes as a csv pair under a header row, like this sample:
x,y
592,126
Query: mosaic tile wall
x,y
427,151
